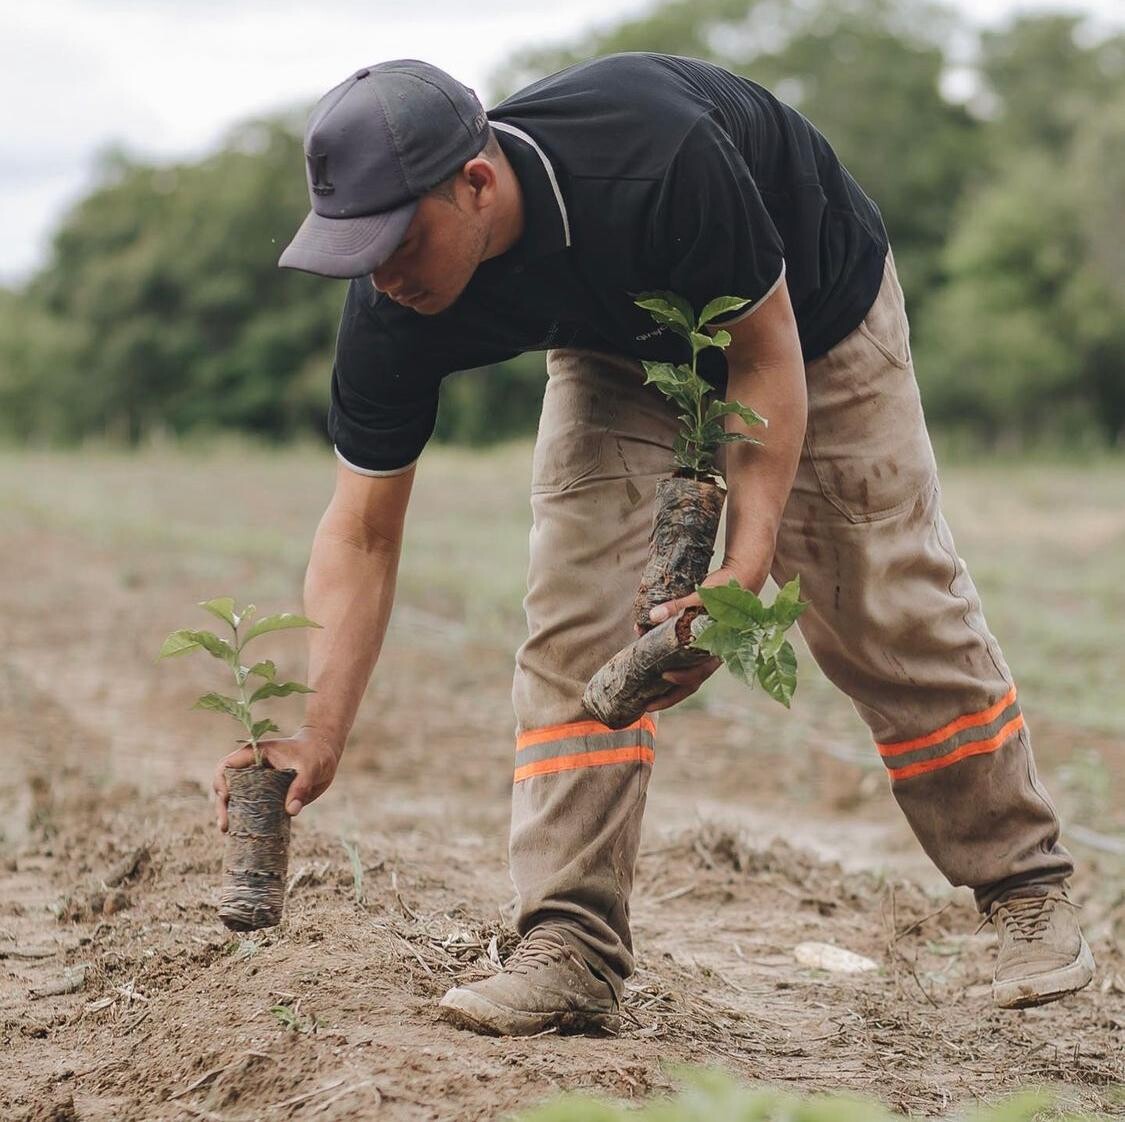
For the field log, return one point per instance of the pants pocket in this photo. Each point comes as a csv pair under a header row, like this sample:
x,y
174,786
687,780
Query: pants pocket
x,y
579,407
866,437
885,326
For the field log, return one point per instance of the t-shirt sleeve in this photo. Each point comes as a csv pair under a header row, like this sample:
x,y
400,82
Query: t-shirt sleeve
x,y
386,378
380,413
711,227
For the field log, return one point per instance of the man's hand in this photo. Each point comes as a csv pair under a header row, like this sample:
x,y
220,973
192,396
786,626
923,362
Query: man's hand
x,y
720,578
686,682
311,754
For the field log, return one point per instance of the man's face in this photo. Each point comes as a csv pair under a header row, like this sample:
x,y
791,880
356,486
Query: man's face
x,y
444,243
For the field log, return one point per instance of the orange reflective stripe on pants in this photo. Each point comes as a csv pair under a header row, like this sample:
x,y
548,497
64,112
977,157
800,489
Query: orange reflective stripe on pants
x,y
583,744
973,734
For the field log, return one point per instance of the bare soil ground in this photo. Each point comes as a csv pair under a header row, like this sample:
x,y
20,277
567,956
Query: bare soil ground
x,y
765,830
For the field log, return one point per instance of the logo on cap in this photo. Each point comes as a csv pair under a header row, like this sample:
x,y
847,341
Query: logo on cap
x,y
318,173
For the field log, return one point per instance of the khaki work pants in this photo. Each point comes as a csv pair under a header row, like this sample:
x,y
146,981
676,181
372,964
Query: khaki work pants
x,y
894,621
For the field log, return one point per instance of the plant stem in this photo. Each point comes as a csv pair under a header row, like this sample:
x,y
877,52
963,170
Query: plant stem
x,y
238,677
698,398
697,456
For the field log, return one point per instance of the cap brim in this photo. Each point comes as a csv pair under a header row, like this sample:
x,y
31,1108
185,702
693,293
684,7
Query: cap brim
x,y
347,247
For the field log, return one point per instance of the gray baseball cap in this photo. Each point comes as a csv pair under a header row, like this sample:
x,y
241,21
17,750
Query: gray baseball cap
x,y
374,145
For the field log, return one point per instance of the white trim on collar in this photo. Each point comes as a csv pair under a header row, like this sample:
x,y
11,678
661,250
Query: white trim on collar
x,y
503,127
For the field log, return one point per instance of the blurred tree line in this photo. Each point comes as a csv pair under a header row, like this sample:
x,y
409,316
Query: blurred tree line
x,y
161,309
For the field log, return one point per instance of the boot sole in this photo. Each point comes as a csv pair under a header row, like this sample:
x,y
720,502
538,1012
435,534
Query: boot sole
x,y
468,1010
1020,993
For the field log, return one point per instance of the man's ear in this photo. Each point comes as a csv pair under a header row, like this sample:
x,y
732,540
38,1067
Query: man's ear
x,y
480,174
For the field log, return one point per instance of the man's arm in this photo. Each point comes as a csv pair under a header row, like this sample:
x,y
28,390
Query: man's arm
x,y
349,591
767,372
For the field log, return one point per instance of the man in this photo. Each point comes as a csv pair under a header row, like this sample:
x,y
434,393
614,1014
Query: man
x,y
473,237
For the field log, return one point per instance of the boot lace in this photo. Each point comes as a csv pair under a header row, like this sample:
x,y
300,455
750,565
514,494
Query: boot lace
x,y
539,948
1025,918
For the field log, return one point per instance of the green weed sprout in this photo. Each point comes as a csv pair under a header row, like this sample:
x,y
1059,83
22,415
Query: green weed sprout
x,y
186,639
702,430
713,1096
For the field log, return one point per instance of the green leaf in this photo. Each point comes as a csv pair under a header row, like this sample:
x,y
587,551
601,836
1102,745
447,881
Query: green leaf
x,y
717,639
682,306
188,639
735,646
771,642
264,669
663,374
721,306
221,704
277,623
278,689
688,454
260,728
700,342
750,636
678,383
721,339
733,605
778,673
667,307
737,438
223,607
748,416
742,662
788,605
220,648
179,642
712,434
687,398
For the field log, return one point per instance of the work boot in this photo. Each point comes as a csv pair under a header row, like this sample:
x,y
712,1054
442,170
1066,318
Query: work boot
x,y
1041,954
544,984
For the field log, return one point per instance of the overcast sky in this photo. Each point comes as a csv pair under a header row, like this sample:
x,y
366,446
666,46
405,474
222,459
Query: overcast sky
x,y
167,77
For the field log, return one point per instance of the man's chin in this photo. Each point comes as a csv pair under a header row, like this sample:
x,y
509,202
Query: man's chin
x,y
428,303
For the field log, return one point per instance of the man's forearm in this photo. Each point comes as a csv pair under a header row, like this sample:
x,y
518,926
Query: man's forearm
x,y
349,590
759,478
766,371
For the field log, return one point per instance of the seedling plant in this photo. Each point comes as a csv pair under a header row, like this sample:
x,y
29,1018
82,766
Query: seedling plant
x,y
702,427
188,639
257,851
749,636
734,624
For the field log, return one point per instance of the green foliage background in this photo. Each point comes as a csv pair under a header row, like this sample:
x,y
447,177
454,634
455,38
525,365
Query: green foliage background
x,y
161,309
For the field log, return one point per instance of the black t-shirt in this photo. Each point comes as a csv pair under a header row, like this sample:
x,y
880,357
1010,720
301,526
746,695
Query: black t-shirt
x,y
638,172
